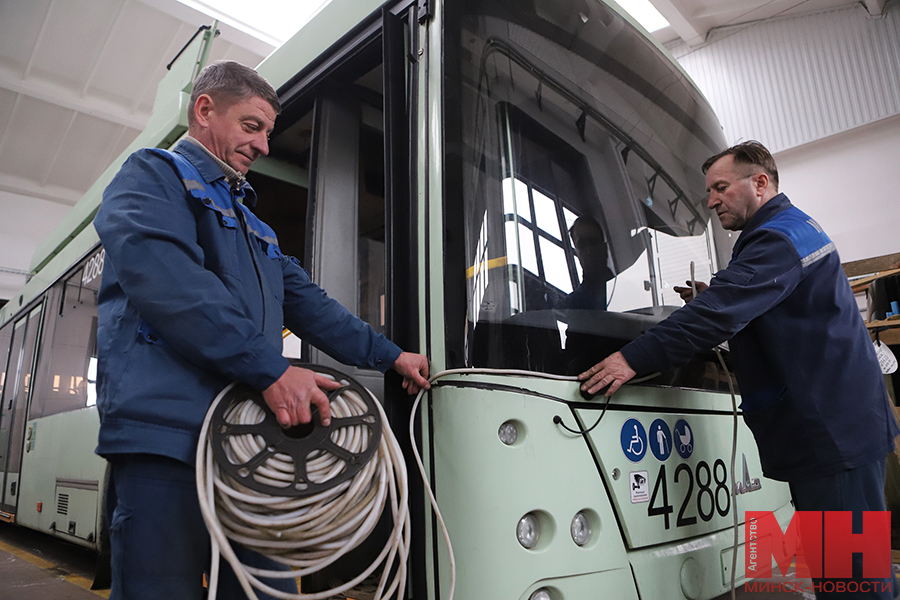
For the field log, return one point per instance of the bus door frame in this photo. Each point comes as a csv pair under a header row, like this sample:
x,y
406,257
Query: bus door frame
x,y
15,405
395,29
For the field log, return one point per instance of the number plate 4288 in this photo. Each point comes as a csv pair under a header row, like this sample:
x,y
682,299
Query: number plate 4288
x,y
712,493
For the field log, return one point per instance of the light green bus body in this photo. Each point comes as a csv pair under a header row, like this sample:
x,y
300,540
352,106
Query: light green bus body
x,y
60,485
652,534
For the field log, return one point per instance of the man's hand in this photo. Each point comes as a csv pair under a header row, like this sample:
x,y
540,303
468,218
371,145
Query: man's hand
x,y
612,371
290,397
414,369
686,293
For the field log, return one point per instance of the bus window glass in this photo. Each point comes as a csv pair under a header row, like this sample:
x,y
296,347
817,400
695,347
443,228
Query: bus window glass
x,y
15,400
582,211
68,367
370,245
281,182
5,335
350,108
7,399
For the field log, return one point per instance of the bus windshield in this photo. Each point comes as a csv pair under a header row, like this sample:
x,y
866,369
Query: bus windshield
x,y
583,200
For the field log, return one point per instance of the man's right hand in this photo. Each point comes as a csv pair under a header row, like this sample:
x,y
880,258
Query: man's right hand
x,y
292,394
686,293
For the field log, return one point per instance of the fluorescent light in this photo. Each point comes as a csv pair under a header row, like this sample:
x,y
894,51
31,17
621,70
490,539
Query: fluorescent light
x,y
645,14
273,21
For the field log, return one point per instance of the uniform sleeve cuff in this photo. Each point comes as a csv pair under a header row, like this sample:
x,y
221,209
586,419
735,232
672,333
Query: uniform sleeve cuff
x,y
386,354
645,355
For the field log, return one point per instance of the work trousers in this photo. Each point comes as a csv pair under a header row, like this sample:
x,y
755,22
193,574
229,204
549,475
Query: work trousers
x,y
159,543
856,490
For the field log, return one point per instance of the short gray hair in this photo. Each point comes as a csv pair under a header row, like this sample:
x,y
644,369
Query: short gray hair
x,y
228,82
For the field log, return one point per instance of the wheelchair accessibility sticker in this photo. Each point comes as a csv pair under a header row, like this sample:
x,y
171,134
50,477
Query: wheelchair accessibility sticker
x,y
634,440
683,439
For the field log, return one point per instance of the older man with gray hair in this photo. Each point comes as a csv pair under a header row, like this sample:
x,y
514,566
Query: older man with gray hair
x,y
811,386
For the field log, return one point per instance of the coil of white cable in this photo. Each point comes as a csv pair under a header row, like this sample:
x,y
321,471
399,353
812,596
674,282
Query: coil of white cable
x,y
314,506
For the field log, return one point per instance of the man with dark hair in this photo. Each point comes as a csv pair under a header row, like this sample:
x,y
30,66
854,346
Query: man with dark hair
x,y
589,243
195,294
811,386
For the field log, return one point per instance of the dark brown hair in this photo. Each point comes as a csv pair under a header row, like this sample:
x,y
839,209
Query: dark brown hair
x,y
748,153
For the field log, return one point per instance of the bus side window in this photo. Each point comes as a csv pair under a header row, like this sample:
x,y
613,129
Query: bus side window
x,y
371,231
68,367
5,336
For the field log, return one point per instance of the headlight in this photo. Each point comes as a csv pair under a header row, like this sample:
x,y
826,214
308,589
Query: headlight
x,y
581,529
540,594
508,433
528,531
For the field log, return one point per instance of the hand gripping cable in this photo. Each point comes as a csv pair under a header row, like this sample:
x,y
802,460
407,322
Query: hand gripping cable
x,y
304,496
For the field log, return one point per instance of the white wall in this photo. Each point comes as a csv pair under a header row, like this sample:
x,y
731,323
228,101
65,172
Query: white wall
x,y
24,224
794,80
821,91
850,183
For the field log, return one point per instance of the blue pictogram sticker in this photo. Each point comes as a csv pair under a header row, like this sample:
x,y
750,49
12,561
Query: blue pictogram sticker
x,y
660,439
683,439
634,440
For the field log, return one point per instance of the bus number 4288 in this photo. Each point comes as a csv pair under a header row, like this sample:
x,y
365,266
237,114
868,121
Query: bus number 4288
x,y
712,493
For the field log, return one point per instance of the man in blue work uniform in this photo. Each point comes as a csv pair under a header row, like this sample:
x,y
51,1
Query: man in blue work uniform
x,y
811,387
195,294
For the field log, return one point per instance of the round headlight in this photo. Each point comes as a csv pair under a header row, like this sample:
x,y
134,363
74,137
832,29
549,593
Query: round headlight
x,y
508,433
540,594
528,531
581,529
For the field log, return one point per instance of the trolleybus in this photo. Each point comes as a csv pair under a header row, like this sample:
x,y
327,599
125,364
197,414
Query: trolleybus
x,y
505,186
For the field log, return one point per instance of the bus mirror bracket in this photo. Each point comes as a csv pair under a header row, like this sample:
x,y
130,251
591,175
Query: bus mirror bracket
x,y
426,10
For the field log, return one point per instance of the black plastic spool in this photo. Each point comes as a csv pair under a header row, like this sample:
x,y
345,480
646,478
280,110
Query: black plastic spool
x,y
297,442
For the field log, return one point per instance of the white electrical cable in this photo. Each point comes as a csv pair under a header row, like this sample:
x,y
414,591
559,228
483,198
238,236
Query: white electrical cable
x,y
305,533
734,511
507,372
412,437
311,533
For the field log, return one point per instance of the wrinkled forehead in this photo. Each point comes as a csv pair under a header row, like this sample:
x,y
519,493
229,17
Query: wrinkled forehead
x,y
732,166
726,169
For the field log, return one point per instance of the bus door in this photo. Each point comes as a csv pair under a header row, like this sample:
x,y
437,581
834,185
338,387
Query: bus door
x,y
321,188
335,188
5,339
349,243
16,393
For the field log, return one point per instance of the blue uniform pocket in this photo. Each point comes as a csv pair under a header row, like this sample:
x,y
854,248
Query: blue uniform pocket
x,y
736,274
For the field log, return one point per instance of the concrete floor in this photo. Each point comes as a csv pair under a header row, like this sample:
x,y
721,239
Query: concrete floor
x,y
35,566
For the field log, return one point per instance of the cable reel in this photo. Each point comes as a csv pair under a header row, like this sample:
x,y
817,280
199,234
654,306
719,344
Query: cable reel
x,y
304,496
252,448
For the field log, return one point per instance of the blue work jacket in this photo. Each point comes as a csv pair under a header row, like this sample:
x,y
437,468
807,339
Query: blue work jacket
x,y
811,387
195,294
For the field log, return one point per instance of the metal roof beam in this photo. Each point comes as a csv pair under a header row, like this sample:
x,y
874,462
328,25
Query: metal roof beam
x,y
24,187
875,7
686,28
66,99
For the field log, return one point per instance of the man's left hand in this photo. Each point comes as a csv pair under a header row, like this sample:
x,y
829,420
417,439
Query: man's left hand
x,y
414,369
613,371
